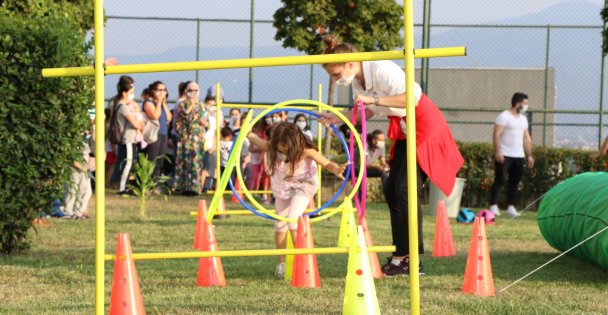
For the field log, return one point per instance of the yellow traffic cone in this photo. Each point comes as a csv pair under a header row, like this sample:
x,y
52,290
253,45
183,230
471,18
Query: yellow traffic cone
x,y
348,225
360,291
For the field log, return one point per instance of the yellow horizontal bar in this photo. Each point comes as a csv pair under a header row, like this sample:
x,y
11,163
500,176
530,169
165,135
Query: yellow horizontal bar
x,y
226,105
246,212
255,62
253,252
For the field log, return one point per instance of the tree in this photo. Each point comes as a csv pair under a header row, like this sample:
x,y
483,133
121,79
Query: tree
x,y
42,120
369,25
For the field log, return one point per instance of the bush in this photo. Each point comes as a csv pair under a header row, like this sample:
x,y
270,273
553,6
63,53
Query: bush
x,y
43,119
552,165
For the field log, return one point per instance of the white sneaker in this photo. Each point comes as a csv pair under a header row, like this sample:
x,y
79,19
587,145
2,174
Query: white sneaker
x,y
512,212
495,210
279,272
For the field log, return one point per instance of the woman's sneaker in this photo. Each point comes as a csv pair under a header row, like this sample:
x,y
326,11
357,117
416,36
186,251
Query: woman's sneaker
x,y
389,269
279,272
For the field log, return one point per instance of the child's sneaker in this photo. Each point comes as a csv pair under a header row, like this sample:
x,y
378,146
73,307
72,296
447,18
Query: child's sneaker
x,y
512,212
495,210
279,272
389,269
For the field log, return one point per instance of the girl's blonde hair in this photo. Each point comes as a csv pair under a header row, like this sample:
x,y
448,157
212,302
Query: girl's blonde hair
x,y
290,136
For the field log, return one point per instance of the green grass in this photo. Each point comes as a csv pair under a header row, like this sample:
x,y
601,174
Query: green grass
x,y
57,275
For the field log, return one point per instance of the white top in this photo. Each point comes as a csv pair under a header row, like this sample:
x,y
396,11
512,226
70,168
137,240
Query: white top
x,y
210,133
372,156
225,147
385,78
512,137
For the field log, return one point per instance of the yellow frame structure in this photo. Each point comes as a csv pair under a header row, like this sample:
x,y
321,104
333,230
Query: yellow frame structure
x,y
99,70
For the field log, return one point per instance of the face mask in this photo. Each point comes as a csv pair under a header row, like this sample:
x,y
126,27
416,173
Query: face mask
x,y
131,97
281,157
346,81
276,120
380,145
301,124
268,120
235,118
192,94
523,109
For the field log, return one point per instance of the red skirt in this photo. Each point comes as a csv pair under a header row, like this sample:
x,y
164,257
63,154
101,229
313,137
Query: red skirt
x,y
436,151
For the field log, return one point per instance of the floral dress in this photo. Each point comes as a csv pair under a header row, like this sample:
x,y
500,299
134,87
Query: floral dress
x,y
190,147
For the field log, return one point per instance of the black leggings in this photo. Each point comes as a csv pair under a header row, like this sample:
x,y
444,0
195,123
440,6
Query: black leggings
x,y
514,169
396,197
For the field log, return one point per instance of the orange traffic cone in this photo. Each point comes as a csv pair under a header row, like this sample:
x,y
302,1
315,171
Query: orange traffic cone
x,y
126,294
210,270
311,204
359,290
374,263
237,187
200,217
444,242
478,273
305,272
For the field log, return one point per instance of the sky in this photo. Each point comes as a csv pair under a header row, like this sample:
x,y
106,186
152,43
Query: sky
x,y
442,11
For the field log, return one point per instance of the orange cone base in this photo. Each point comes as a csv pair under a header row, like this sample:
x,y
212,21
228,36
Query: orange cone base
x,y
305,273
125,297
478,273
444,242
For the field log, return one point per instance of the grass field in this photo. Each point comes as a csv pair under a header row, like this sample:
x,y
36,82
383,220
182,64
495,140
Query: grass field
x,y
57,275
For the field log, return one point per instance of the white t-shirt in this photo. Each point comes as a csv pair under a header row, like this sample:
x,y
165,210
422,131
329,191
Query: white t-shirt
x,y
512,137
225,147
385,78
372,156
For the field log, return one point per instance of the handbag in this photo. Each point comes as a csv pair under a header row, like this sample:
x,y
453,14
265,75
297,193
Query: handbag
x,y
151,128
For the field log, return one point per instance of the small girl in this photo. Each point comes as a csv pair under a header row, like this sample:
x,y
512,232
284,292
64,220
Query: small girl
x,y
292,167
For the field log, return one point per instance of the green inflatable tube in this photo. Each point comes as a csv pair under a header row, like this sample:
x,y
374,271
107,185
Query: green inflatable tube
x,y
574,210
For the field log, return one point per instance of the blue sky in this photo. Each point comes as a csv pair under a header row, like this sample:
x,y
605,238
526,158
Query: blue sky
x,y
443,11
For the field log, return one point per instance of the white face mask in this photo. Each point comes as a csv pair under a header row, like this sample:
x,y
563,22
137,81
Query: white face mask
x,y
131,97
281,157
523,109
276,120
380,145
192,94
301,124
268,120
235,118
346,81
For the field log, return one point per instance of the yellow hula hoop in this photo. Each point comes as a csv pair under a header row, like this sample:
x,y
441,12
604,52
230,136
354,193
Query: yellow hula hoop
x,y
235,158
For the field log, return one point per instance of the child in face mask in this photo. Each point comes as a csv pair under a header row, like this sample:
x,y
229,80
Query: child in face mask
x,y
292,166
302,123
375,152
234,119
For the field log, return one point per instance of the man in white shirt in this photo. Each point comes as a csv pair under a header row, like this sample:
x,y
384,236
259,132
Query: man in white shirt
x,y
512,151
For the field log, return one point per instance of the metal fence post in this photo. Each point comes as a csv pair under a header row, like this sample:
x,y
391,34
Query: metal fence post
x,y
546,84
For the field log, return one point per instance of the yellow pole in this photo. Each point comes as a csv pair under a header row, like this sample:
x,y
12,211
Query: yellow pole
x,y
100,192
254,62
319,143
412,183
253,252
218,113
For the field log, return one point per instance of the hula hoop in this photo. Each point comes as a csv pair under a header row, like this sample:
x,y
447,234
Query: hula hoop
x,y
360,200
348,170
235,158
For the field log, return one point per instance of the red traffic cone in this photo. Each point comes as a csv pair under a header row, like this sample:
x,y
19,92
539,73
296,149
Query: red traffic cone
x,y
125,297
237,187
200,218
374,263
478,273
444,242
305,272
210,270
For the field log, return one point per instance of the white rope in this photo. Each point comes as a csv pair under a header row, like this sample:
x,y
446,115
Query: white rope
x,y
550,261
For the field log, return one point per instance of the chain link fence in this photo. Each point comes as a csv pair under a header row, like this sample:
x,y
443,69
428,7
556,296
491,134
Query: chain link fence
x,y
560,68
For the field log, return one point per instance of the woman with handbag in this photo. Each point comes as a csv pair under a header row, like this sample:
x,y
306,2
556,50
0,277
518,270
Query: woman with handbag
x,y
155,107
